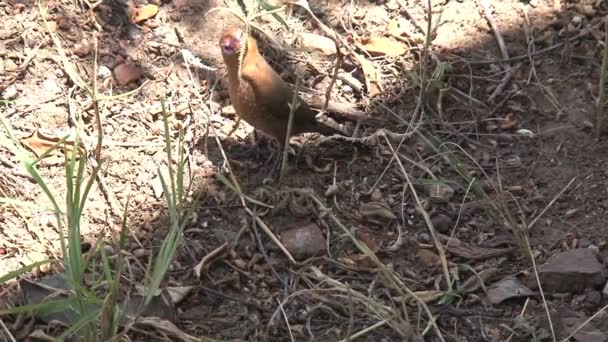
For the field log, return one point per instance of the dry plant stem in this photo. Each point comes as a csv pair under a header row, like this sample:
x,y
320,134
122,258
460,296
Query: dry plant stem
x,y
550,203
485,4
377,308
365,331
207,259
427,220
426,52
108,194
294,106
504,82
540,287
487,11
286,320
96,107
5,332
579,328
601,101
271,235
335,76
394,280
254,229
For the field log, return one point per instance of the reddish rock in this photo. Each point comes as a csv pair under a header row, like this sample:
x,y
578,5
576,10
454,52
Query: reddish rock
x,y
304,242
126,73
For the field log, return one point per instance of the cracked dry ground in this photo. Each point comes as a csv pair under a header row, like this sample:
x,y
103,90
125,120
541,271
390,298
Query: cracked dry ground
x,y
519,129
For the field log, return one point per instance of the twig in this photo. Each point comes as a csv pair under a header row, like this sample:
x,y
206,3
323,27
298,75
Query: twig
x,y
272,236
487,11
550,203
601,101
254,229
335,76
504,82
372,139
579,328
198,269
292,110
365,331
108,194
286,320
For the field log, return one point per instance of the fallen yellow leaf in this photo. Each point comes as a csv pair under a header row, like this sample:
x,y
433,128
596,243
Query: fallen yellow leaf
x,y
372,79
143,13
40,142
383,46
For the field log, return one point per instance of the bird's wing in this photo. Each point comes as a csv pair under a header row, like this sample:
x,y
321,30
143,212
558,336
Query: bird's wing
x,y
272,93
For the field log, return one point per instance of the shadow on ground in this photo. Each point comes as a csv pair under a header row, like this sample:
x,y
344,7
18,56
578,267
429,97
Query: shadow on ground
x,y
550,94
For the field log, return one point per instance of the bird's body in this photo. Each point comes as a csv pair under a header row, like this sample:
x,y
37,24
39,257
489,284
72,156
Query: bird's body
x,y
259,95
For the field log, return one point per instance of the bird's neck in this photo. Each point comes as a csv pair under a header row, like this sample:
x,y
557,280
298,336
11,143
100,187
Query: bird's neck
x,y
232,66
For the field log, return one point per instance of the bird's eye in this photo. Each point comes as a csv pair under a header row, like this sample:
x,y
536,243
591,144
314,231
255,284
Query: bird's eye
x,y
230,45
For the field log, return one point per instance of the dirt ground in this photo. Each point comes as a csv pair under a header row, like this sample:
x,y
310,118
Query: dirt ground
x,y
520,125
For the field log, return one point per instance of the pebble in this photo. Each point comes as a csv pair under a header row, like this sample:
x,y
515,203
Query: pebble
x,y
10,93
126,73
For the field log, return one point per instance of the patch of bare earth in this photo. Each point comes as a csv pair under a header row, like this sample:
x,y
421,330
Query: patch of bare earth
x,y
516,122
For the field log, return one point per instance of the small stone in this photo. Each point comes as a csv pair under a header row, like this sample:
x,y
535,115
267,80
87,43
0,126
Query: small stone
x,y
139,253
577,20
104,72
109,250
304,242
507,289
424,238
82,49
571,271
10,93
442,223
50,85
440,192
126,73
428,258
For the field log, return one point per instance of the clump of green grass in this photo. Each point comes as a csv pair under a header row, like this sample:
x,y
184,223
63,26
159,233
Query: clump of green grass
x,y
96,305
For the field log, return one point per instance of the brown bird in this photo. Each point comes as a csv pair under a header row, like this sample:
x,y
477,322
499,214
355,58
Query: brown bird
x,y
259,95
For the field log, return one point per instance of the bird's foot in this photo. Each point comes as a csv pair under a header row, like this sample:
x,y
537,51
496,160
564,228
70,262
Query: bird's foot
x,y
276,168
257,150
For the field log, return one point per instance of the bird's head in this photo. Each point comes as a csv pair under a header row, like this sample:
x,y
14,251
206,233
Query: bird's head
x,y
232,41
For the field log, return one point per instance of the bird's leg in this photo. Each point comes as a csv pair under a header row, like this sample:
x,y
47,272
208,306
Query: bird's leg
x,y
277,159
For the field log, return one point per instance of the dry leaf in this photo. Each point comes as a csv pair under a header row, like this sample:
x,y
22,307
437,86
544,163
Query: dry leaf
x,y
398,29
40,142
144,13
375,209
366,239
372,79
318,43
509,122
383,46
